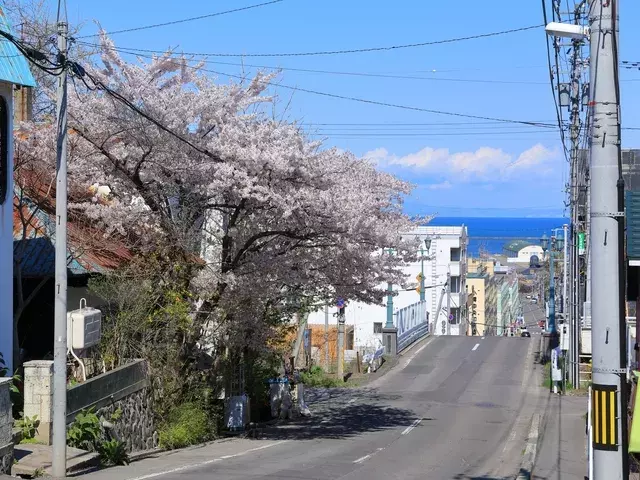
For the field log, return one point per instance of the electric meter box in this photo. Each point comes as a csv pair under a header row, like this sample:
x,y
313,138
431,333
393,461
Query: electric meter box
x,y
84,328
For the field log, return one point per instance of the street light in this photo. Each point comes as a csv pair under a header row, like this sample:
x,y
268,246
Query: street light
x,y
427,244
566,30
389,323
551,245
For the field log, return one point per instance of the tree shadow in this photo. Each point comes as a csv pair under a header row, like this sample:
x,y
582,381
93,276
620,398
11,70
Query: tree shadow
x,y
342,422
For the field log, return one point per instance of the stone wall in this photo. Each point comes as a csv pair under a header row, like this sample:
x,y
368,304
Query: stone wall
x,y
125,390
6,427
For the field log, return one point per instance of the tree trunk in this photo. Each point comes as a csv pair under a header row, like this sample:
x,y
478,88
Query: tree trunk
x,y
302,322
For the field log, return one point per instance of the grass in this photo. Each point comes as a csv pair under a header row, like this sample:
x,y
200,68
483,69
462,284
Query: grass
x,y
188,424
316,377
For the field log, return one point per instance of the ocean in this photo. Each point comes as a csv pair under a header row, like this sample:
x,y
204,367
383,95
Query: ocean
x,y
491,233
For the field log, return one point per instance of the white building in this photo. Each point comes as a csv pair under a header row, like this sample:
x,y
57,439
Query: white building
x,y
525,254
13,71
447,253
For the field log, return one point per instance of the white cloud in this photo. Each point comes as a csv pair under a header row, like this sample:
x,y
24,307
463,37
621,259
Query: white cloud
x,y
483,164
440,186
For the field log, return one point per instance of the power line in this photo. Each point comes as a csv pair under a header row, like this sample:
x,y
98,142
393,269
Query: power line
x,y
379,103
342,52
128,51
184,20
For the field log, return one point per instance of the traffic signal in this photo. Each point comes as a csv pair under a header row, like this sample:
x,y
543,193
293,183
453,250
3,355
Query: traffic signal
x,y
418,289
419,278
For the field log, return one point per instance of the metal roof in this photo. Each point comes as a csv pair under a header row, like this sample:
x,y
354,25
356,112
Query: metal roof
x,y
14,67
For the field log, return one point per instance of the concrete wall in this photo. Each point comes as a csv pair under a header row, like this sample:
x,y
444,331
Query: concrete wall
x,y
6,245
6,424
126,389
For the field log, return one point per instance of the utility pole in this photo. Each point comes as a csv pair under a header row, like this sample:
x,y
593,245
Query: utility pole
x,y
326,337
574,286
340,356
59,424
448,302
610,453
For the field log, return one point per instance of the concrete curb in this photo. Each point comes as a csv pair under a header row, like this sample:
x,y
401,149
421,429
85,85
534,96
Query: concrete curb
x,y
529,460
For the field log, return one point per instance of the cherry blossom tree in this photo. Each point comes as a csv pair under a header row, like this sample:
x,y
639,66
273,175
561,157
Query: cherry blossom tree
x,y
261,217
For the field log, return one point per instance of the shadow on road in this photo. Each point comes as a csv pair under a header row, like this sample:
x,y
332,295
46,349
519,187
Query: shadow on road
x,y
482,477
342,422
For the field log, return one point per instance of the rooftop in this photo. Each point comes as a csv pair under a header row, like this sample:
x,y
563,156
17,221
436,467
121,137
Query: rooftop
x,y
14,67
456,230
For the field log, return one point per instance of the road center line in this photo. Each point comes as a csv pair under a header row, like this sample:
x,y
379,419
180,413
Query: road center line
x,y
195,466
475,347
412,426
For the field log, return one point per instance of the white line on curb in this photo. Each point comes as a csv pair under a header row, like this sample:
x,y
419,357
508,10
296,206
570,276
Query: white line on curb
x,y
416,353
195,466
412,426
475,348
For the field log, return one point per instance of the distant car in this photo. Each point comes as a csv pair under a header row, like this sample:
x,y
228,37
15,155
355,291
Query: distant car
x,y
541,323
525,334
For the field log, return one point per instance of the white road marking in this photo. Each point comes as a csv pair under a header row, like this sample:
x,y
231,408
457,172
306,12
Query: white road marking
x,y
482,338
475,347
417,352
195,466
412,426
362,459
366,457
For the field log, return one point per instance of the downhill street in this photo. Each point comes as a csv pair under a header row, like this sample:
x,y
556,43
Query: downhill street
x,y
454,408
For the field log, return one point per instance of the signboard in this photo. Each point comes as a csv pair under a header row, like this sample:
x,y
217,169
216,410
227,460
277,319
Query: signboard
x,y
582,242
564,337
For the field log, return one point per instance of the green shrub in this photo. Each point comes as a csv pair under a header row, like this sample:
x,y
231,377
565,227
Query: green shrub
x,y
187,424
85,432
113,452
316,377
29,426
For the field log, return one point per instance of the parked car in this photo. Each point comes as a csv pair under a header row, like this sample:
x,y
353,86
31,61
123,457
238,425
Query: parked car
x,y
525,334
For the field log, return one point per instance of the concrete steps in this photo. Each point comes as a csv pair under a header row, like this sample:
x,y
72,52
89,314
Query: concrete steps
x,y
35,459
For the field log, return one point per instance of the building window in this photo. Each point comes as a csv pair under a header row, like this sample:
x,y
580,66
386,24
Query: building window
x,y
455,313
377,327
4,151
455,284
455,254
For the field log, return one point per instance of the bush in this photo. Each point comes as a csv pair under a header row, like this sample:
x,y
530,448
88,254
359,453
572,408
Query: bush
x,y
85,432
188,424
113,452
28,426
316,377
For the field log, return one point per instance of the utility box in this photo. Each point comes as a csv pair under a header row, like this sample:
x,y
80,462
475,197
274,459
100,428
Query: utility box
x,y
84,327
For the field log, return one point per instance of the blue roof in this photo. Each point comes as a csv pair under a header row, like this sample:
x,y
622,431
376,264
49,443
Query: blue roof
x,y
14,67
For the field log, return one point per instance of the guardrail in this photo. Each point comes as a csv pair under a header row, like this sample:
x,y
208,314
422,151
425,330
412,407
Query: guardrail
x,y
412,323
412,336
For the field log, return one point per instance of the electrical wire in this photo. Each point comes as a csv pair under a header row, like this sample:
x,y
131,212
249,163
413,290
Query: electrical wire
x,y
551,78
184,20
349,51
355,74
376,102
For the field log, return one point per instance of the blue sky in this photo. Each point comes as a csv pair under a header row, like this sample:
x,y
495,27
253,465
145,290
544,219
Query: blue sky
x,y
460,168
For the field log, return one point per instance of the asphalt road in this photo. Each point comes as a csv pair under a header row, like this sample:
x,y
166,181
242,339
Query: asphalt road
x,y
454,408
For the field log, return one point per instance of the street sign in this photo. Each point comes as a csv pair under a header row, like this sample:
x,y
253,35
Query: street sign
x,y
451,316
582,243
340,303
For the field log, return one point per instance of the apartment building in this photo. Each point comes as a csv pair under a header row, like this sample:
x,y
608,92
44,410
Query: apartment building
x,y
447,254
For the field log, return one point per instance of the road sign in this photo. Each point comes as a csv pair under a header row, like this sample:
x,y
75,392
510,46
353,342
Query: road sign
x,y
340,303
451,316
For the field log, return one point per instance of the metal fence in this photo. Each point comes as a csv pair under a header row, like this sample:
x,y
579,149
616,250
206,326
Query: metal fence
x,y
412,323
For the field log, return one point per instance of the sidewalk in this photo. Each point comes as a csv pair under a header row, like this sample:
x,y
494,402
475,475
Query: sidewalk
x,y
562,447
